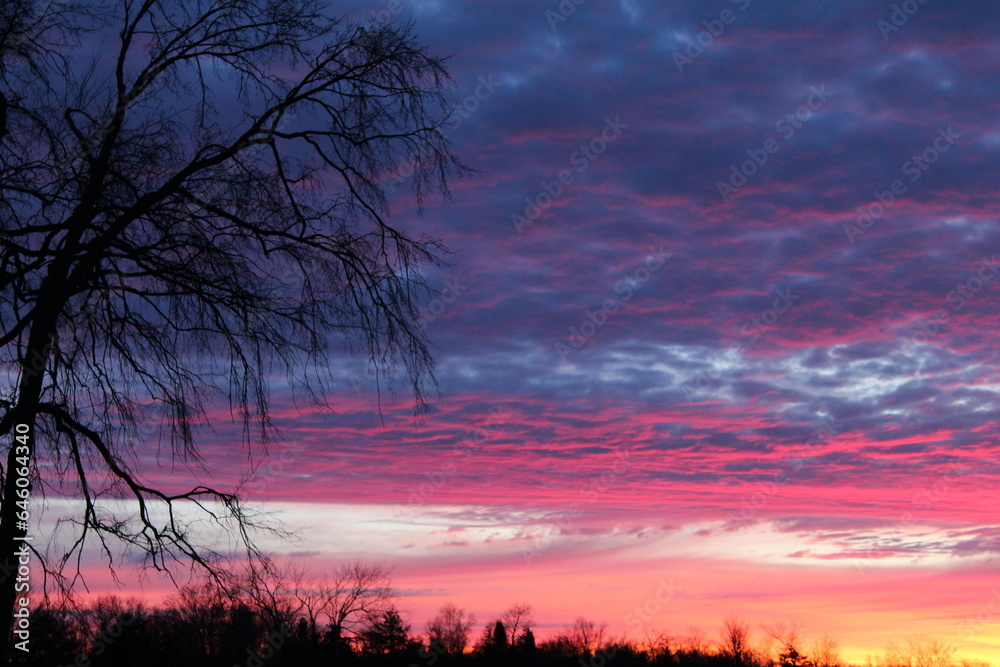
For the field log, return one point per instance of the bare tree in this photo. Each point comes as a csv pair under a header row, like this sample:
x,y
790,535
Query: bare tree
x,y
517,620
734,641
782,643
344,600
267,589
587,637
314,599
202,611
193,211
358,591
825,652
449,629
657,645
695,641
918,651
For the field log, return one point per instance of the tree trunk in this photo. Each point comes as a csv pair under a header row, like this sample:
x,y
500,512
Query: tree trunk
x,y
25,412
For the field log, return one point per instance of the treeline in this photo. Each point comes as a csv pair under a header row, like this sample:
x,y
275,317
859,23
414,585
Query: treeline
x,y
351,618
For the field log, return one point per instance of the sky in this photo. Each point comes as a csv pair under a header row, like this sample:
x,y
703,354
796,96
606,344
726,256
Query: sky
x,y
717,336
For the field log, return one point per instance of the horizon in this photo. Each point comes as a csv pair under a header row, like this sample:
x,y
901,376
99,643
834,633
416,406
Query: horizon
x,y
677,601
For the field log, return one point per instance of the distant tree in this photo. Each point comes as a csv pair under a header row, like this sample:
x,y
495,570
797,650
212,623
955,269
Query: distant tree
x,y
337,648
242,630
112,630
500,642
918,651
493,641
792,657
313,599
266,590
387,635
342,600
357,590
621,652
695,641
526,642
203,614
517,619
449,630
787,637
56,635
734,641
657,646
558,650
586,637
825,652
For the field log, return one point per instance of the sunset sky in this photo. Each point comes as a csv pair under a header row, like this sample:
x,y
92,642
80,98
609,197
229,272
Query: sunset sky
x,y
718,335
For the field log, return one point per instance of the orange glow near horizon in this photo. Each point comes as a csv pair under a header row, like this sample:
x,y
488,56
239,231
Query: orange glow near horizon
x,y
692,583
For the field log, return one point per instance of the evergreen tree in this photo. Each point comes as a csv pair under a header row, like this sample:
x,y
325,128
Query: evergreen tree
x,y
500,644
388,635
526,641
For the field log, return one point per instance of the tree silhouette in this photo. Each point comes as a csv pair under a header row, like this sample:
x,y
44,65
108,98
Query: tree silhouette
x,y
788,637
658,646
112,632
60,634
586,637
918,651
192,211
825,652
500,637
518,620
388,636
792,657
448,632
734,641
492,645
526,641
